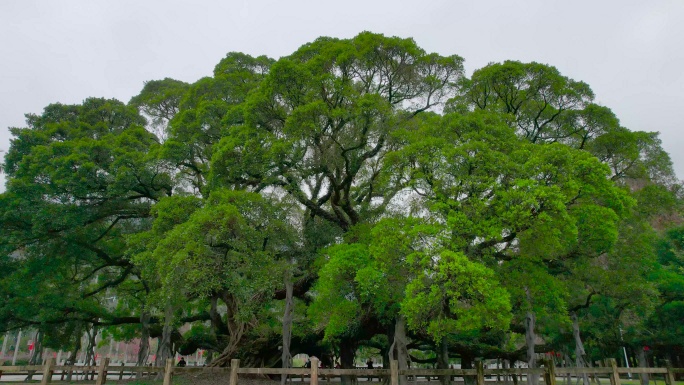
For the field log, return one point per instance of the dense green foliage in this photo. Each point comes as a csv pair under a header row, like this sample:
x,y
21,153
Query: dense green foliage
x,y
334,195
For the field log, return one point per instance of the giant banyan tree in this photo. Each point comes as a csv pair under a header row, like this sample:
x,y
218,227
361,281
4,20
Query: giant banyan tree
x,y
357,195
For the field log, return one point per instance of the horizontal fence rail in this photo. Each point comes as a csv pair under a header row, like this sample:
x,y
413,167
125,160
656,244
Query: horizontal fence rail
x,y
549,371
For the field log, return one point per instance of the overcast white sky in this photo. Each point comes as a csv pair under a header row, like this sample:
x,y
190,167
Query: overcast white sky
x,y
630,52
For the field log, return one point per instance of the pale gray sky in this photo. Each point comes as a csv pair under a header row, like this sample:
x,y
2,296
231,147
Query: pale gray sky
x,y
630,52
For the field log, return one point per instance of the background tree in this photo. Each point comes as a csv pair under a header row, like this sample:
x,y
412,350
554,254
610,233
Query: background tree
x,y
226,250
80,177
207,109
160,101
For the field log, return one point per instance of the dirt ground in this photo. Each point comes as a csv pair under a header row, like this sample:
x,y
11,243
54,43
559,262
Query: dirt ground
x,y
223,379
219,379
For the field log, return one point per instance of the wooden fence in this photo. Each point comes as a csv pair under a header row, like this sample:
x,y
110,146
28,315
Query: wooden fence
x,y
549,372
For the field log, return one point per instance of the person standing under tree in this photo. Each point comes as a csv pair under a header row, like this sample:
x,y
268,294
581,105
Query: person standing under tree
x,y
369,364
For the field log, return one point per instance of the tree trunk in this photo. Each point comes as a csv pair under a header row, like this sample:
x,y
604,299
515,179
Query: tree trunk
x,y
90,351
580,362
144,350
443,360
506,364
529,340
214,324
514,376
164,349
398,350
677,362
347,353
236,329
89,359
287,325
594,377
36,354
498,366
388,354
641,356
227,353
467,363
566,363
16,348
4,345
158,353
71,360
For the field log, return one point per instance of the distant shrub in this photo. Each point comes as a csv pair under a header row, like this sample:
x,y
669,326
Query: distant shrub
x,y
20,362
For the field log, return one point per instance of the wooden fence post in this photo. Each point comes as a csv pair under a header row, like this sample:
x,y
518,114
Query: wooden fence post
x,y
314,371
669,376
168,371
614,375
394,372
48,368
102,372
234,365
549,372
121,372
479,366
606,363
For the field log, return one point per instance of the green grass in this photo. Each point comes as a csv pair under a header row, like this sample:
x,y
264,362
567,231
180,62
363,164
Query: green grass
x,y
633,381
176,381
